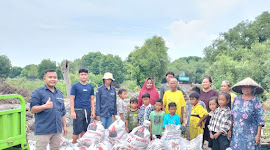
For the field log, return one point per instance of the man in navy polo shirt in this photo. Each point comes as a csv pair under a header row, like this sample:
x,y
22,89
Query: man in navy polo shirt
x,y
81,100
48,105
106,101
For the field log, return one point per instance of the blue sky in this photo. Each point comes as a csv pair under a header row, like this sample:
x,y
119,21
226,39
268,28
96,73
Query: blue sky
x,y
66,29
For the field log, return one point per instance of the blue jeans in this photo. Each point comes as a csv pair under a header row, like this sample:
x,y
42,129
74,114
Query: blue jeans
x,y
106,121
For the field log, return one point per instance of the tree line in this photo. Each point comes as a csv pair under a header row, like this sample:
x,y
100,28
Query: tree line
x,y
242,51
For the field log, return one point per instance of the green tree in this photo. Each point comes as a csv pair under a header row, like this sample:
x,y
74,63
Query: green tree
x,y
150,60
5,66
240,37
30,72
92,62
113,64
45,64
15,72
75,65
59,73
193,66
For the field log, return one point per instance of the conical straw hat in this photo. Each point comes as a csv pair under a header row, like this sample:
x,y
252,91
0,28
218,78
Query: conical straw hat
x,y
248,82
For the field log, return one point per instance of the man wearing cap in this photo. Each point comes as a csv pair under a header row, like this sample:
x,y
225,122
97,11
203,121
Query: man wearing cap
x,y
106,108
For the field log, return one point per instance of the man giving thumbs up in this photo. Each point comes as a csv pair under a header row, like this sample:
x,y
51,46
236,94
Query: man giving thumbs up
x,y
48,106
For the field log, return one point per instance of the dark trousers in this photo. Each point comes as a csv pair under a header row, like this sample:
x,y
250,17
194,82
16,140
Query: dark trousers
x,y
221,143
206,135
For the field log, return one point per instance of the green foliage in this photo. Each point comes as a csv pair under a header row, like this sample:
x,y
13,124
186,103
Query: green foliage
x,y
75,66
243,35
24,83
223,69
44,65
130,85
30,72
59,73
98,63
92,62
193,66
150,60
95,80
15,72
5,66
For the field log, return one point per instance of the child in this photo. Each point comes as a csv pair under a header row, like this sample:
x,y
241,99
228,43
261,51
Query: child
x,y
197,89
189,106
132,115
198,115
156,119
220,123
213,105
121,104
145,109
171,118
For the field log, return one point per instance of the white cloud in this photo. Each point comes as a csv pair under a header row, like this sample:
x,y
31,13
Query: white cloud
x,y
187,32
212,8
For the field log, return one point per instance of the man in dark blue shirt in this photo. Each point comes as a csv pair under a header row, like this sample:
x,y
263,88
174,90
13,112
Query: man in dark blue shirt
x,y
106,101
48,105
81,100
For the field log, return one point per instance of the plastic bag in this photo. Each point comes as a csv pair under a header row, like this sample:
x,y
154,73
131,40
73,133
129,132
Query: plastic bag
x,y
120,145
139,137
156,144
117,130
171,137
66,144
95,134
194,144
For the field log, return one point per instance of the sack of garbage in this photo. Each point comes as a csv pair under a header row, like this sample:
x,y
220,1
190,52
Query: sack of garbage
x,y
117,130
66,144
95,134
155,144
194,144
105,145
171,137
120,145
139,137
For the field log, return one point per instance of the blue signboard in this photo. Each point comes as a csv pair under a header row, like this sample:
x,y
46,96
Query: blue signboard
x,y
184,78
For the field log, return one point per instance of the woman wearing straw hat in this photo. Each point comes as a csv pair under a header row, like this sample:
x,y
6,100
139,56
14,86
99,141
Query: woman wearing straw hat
x,y
226,87
247,116
106,101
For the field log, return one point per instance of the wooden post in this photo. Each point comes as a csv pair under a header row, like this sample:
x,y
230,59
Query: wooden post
x,y
65,72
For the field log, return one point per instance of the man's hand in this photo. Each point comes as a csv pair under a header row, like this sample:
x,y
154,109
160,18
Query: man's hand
x,y
48,104
181,120
73,115
65,131
114,117
127,130
98,118
93,115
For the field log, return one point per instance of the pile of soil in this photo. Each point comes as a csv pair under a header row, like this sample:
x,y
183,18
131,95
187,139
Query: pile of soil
x,y
6,89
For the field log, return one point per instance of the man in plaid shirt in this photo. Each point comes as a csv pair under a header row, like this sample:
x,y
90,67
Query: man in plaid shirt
x,y
221,123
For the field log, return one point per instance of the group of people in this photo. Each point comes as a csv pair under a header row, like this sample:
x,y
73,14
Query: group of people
x,y
224,119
